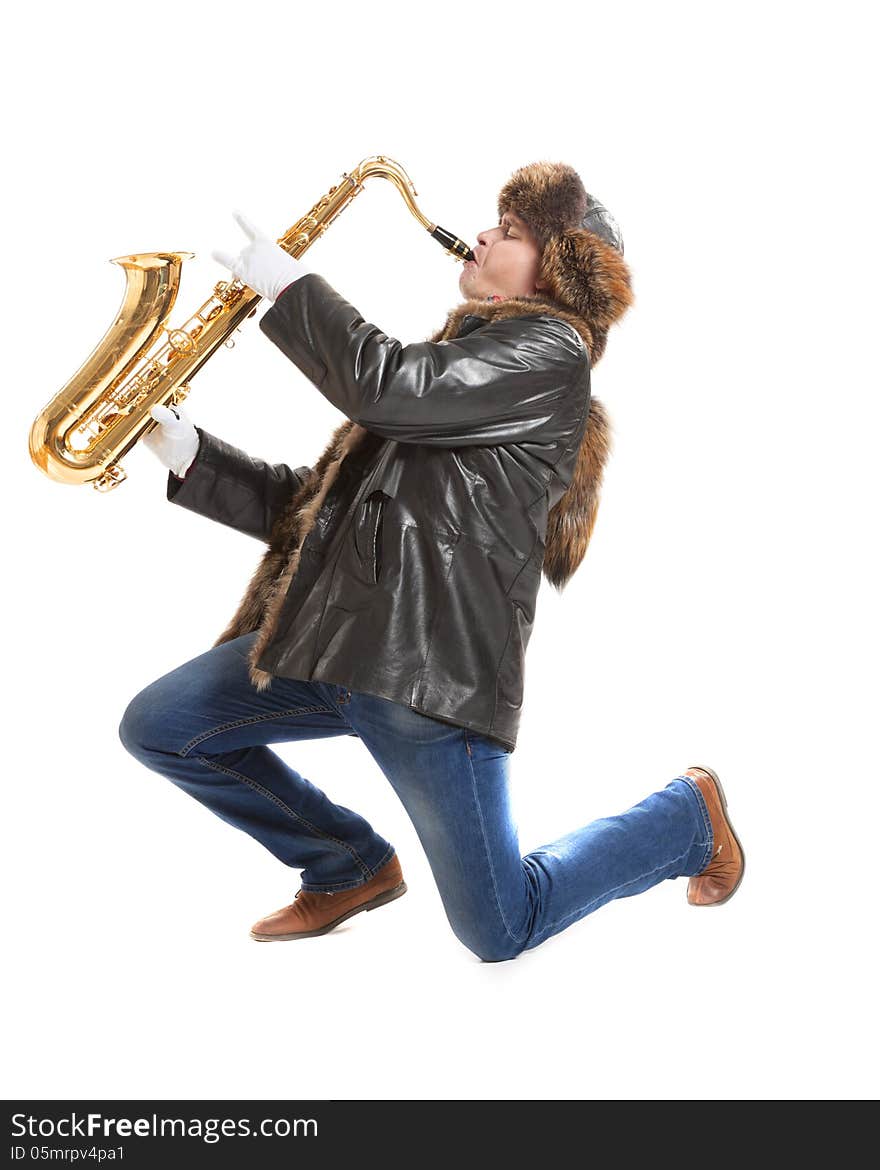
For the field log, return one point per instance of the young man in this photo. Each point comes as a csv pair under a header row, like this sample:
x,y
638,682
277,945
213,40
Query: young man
x,y
396,595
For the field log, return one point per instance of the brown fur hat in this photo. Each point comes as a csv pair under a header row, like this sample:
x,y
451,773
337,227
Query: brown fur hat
x,y
582,246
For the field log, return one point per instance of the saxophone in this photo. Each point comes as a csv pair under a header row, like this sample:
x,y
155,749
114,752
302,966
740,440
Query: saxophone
x,y
99,415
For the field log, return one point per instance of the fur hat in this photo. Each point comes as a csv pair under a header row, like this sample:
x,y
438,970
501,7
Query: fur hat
x,y
582,246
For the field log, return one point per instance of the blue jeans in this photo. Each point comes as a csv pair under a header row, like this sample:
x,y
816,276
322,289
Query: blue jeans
x,y
206,728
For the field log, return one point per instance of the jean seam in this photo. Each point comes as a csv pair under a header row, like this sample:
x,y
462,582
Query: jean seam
x,y
389,853
707,823
517,939
583,909
250,719
285,807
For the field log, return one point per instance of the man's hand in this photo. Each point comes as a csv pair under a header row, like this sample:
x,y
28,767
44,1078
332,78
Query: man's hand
x,y
175,441
262,264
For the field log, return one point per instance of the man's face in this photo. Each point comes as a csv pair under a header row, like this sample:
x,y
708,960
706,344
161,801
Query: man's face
x,y
508,259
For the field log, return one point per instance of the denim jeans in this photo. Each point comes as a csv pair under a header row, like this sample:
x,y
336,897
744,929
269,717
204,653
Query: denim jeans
x,y
207,729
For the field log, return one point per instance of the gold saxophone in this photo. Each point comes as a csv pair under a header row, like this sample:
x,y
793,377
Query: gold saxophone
x,y
104,409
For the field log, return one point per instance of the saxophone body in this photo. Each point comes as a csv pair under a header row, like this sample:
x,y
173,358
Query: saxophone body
x,y
101,413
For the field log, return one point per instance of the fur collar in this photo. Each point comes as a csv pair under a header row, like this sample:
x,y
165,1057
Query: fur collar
x,y
512,307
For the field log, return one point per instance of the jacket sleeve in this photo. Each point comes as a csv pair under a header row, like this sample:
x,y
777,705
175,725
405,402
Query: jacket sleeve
x,y
523,379
229,486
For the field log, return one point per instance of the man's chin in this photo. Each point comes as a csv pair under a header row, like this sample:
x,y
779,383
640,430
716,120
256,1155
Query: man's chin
x,y
468,286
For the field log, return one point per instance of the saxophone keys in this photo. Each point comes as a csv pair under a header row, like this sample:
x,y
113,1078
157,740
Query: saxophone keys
x,y
110,477
180,341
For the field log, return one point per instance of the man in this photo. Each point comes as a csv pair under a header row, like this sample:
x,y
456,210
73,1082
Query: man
x,y
396,595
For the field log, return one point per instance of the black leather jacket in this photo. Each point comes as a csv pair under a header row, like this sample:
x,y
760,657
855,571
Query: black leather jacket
x,y
418,580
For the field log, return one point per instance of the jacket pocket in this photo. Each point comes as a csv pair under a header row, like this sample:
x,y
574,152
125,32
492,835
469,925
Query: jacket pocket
x,y
368,534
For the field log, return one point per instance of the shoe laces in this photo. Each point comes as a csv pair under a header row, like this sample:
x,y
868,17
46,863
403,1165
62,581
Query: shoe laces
x,y
306,893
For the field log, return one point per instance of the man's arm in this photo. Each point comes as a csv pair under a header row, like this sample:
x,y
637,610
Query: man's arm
x,y
523,379
231,487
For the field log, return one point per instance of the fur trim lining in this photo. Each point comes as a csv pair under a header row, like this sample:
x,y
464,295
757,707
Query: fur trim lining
x,y
260,607
571,520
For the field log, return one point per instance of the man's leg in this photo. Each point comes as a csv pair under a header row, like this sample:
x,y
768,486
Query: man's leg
x,y
205,726
454,785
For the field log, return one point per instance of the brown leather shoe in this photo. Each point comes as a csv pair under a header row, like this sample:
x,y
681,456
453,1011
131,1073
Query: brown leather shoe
x,y
312,912
721,877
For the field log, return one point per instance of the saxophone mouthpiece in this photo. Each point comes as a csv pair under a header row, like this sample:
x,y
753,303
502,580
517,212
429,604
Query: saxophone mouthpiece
x,y
452,243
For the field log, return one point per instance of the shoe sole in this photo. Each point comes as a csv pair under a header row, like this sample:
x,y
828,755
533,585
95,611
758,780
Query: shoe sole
x,y
742,852
379,900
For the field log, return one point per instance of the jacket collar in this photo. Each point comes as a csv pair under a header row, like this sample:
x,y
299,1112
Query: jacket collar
x,y
473,313
470,322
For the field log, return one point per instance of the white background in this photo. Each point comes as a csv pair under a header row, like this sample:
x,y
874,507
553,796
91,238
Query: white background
x,y
725,613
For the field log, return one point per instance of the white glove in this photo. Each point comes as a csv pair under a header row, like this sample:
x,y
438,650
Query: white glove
x,y
262,264
175,441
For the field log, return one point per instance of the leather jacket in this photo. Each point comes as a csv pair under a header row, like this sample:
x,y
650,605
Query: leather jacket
x,y
418,577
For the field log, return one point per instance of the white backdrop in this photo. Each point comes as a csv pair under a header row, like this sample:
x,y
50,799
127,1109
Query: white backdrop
x,y
725,613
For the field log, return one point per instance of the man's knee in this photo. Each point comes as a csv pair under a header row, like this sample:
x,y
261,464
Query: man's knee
x,y
489,946
137,725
